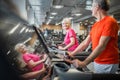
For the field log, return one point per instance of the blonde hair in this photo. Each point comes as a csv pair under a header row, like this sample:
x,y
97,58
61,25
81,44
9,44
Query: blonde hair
x,y
17,46
66,20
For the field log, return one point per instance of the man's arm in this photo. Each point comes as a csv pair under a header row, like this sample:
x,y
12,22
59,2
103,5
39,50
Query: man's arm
x,y
101,46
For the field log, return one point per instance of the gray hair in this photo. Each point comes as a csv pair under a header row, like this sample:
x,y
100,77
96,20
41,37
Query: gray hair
x,y
104,4
66,20
17,46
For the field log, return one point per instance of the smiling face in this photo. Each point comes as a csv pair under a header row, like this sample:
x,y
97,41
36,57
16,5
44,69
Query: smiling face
x,y
21,48
66,23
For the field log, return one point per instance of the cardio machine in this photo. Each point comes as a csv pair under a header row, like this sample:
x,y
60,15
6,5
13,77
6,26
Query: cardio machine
x,y
63,71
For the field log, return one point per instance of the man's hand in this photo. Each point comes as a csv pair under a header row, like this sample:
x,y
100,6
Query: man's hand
x,y
68,61
70,54
77,63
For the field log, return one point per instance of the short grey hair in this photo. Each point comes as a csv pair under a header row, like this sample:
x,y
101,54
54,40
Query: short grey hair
x,y
104,4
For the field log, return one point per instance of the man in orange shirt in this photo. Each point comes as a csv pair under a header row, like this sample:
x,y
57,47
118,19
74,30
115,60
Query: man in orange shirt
x,y
104,38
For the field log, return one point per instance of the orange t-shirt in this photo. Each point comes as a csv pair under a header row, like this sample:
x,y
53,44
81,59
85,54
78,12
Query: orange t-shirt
x,y
106,27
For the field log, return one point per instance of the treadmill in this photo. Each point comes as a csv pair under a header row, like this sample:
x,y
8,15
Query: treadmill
x,y
59,62
63,71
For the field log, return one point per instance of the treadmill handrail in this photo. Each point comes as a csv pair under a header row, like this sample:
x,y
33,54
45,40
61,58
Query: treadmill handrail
x,y
42,41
